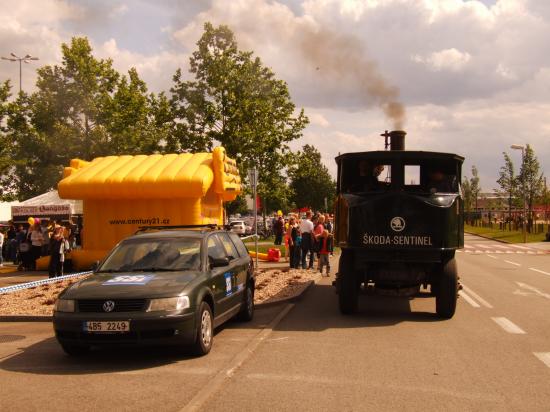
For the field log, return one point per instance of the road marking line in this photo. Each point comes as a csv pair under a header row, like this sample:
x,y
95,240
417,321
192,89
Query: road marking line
x,y
544,357
483,246
533,289
509,326
512,263
476,296
468,299
202,396
491,256
540,271
521,247
500,246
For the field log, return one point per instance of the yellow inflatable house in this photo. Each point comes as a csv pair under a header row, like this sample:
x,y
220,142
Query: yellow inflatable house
x,y
122,193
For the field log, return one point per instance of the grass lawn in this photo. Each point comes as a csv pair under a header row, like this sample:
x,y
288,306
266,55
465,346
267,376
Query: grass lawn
x,y
513,236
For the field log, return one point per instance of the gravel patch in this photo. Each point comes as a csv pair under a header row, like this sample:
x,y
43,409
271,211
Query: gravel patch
x,y
35,301
272,285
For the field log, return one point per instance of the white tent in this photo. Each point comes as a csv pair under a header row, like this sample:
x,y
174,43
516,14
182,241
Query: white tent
x,y
5,210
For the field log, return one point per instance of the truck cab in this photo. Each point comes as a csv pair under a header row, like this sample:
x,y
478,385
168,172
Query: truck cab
x,y
399,221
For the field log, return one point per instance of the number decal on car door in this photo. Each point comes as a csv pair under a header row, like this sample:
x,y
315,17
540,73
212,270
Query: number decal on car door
x,y
228,286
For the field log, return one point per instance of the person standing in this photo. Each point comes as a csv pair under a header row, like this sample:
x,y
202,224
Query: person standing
x,y
36,241
326,248
306,229
57,253
278,228
293,243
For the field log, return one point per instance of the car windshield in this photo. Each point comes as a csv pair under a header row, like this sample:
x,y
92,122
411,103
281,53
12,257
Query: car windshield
x,y
154,255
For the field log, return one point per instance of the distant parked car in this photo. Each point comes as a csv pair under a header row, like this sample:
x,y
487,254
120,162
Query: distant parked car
x,y
238,227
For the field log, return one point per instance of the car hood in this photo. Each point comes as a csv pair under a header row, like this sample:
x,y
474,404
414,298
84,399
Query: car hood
x,y
131,285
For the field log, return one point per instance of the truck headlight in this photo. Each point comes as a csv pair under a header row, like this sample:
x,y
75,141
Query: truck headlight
x,y
169,304
64,305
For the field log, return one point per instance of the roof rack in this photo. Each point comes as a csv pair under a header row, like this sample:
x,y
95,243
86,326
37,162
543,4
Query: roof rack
x,y
211,226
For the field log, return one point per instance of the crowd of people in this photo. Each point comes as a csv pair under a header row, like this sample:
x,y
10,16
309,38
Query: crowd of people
x,y
24,244
306,239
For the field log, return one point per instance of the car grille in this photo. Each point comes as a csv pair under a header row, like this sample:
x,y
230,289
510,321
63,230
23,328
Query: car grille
x,y
121,305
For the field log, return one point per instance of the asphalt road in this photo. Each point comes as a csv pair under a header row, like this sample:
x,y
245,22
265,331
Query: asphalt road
x,y
395,354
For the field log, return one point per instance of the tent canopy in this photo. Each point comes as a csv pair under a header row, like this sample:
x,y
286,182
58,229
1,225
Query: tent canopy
x,y
48,204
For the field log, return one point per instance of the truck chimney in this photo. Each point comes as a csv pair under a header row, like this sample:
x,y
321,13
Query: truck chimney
x,y
397,139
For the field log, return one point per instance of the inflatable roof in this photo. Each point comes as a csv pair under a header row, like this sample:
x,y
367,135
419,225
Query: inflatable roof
x,y
169,176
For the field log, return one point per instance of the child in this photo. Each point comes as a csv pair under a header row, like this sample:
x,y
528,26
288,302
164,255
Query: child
x,y
326,247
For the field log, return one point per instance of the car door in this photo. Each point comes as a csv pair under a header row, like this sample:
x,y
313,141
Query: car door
x,y
244,259
238,265
222,276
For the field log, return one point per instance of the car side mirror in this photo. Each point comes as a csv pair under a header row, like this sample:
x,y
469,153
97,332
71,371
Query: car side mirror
x,y
219,262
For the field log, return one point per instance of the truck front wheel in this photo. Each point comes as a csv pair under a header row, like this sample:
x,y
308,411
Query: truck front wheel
x,y
348,293
446,291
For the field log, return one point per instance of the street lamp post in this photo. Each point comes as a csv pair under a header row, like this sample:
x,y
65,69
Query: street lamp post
x,y
15,58
524,229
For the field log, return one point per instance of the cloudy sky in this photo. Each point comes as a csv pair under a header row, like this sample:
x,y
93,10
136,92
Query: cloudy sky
x,y
472,76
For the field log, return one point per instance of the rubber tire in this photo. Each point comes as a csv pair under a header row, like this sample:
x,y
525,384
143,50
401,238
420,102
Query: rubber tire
x,y
247,312
447,290
75,350
200,348
348,291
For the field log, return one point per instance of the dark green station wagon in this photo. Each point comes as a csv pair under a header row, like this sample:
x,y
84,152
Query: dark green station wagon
x,y
163,286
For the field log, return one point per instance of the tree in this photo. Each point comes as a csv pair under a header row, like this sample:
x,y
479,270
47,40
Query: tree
x,y
83,108
467,196
310,180
474,186
5,146
236,101
530,181
507,182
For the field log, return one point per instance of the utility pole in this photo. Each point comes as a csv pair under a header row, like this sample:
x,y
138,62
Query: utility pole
x,y
15,58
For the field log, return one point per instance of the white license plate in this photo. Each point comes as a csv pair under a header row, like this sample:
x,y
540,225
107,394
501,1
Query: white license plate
x,y
107,327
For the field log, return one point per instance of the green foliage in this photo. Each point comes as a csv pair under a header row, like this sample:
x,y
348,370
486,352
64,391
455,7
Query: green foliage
x,y
530,180
83,108
236,206
507,182
311,182
474,185
467,194
236,101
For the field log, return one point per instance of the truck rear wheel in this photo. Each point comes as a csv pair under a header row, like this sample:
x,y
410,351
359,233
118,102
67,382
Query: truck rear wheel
x,y
447,290
348,293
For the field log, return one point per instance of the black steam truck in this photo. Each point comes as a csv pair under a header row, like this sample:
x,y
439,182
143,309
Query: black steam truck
x,y
399,220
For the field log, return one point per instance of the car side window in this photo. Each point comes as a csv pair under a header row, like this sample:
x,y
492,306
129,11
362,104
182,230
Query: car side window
x,y
228,246
215,249
243,251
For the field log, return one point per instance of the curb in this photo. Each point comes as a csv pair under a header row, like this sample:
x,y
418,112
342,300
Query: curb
x,y
291,299
45,318
26,318
498,240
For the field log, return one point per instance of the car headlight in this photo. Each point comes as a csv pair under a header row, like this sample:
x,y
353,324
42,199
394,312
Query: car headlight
x,y
177,303
64,305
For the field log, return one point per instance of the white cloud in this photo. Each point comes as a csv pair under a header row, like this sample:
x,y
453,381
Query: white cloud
x,y
157,70
478,79
449,59
118,11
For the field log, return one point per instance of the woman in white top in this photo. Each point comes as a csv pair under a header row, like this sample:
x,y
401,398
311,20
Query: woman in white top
x,y
37,239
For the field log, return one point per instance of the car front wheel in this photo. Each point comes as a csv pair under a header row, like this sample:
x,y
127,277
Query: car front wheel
x,y
205,330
